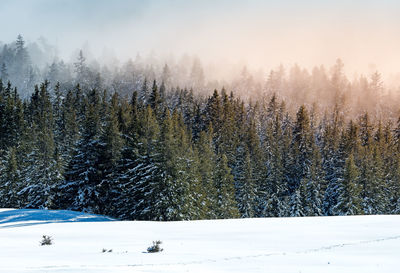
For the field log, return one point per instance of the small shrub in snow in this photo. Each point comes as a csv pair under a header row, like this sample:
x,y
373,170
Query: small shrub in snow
x,y
155,247
46,241
106,250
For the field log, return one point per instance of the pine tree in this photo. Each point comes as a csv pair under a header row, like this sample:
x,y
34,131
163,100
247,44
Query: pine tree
x,y
245,184
301,149
3,72
143,95
228,140
143,172
349,144
170,188
310,187
348,201
161,194
214,114
393,184
41,172
110,155
122,178
83,176
67,132
81,69
365,130
274,188
372,181
207,169
295,204
223,180
19,69
12,118
154,98
10,180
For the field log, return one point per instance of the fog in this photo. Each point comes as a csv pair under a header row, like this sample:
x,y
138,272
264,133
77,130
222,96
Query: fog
x,y
258,34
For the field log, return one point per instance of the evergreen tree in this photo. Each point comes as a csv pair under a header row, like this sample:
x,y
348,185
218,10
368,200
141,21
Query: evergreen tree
x,y
143,172
81,69
154,98
207,169
273,190
143,95
372,181
67,132
310,187
228,139
214,114
245,185
110,155
349,144
83,175
349,202
295,204
19,69
41,172
223,180
301,149
3,72
10,181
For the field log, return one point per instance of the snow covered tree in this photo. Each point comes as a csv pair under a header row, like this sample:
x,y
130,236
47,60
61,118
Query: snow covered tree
x,y
136,168
110,154
41,171
310,187
274,188
349,143
83,175
206,169
224,184
245,185
301,149
295,204
372,181
349,201
10,180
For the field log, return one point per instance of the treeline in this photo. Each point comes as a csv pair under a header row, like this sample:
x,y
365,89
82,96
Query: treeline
x,y
27,64
170,155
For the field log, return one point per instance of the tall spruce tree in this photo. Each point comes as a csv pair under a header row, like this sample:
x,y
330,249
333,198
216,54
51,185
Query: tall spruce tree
x,y
144,171
10,180
245,184
207,169
301,149
83,175
224,184
110,155
349,201
273,190
41,172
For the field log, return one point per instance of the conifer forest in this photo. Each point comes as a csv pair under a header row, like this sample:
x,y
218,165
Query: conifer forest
x,y
146,139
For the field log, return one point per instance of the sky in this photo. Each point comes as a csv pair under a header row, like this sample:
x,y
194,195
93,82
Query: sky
x,y
364,34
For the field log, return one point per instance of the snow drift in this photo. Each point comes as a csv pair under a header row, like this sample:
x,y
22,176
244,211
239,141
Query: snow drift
x,y
310,244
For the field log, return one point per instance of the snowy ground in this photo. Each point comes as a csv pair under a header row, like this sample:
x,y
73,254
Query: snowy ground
x,y
357,244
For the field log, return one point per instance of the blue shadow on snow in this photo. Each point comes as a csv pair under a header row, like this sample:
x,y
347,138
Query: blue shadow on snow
x,y
29,217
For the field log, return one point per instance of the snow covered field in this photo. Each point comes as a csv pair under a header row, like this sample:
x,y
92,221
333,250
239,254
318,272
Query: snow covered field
x,y
356,244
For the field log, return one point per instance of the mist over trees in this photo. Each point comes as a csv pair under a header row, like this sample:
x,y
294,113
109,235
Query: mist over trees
x,y
321,88
158,141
